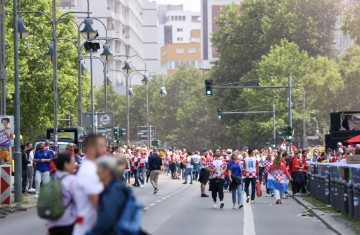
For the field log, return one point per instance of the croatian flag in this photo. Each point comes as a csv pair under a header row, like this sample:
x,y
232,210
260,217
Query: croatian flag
x,y
277,180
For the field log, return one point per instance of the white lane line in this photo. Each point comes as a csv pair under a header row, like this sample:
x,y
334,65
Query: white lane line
x,y
146,208
152,204
158,201
163,198
249,226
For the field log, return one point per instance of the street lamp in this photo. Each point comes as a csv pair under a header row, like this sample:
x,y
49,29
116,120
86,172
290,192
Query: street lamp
x,y
22,31
88,32
50,52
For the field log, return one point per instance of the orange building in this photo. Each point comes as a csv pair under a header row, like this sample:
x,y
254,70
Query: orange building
x,y
175,54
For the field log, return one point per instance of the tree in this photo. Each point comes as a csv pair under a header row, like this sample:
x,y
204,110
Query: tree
x,y
36,78
352,22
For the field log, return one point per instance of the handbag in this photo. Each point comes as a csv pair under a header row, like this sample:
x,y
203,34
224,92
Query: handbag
x,y
258,189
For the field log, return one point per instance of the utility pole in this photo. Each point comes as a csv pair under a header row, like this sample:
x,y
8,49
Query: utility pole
x,y
289,109
304,121
274,123
2,60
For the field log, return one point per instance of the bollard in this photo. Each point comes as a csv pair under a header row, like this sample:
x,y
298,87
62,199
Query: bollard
x,y
334,194
350,199
344,202
356,196
327,186
308,185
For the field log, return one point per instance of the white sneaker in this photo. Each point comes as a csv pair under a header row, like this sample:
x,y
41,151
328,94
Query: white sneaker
x,y
234,206
215,205
268,195
225,191
248,199
32,190
252,201
141,185
36,196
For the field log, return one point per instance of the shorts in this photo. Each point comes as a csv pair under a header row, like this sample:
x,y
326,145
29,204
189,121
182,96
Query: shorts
x,y
204,176
127,175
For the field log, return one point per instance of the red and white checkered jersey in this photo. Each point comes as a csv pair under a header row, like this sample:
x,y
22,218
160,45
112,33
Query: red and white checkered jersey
x,y
250,166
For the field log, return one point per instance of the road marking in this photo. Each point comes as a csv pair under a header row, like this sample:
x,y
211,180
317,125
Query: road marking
x,y
152,204
158,201
249,226
146,208
163,198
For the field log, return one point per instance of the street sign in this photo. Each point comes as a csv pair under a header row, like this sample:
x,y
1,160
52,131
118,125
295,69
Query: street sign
x,y
102,121
143,133
107,133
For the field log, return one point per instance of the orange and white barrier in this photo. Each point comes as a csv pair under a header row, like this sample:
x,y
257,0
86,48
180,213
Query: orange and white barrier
x,y
5,183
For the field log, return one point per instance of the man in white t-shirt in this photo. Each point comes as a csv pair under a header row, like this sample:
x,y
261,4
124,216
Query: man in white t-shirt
x,y
88,185
189,168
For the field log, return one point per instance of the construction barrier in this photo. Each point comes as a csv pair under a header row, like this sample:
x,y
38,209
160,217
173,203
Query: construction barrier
x,y
5,185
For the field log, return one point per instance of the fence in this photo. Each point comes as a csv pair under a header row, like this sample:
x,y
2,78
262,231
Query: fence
x,y
337,185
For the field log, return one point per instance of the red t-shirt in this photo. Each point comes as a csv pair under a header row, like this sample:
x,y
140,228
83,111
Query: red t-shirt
x,y
296,163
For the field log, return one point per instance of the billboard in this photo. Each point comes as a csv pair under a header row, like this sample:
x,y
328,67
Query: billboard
x,y
7,131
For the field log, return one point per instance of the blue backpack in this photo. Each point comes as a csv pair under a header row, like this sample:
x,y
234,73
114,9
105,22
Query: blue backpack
x,y
129,222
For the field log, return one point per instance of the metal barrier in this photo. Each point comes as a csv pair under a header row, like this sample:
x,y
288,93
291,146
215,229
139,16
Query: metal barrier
x,y
356,198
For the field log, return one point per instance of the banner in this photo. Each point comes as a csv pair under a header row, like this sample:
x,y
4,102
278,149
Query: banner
x,y
6,131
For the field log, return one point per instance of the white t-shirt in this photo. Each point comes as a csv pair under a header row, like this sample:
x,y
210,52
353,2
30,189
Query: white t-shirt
x,y
31,158
196,159
87,183
188,163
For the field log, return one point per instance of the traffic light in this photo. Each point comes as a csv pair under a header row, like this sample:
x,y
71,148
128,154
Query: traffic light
x,y
289,133
123,132
156,143
220,114
209,87
116,133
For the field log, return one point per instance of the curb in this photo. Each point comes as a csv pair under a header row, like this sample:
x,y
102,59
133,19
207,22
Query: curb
x,y
312,212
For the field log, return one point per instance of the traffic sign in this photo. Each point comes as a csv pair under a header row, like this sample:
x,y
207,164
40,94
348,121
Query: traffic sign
x,y
107,133
143,133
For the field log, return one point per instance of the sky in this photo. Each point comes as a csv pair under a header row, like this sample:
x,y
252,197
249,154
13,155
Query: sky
x,y
192,5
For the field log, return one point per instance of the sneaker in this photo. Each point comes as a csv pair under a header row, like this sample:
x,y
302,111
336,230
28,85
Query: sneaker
x,y
191,183
277,201
234,206
268,195
32,190
247,199
225,191
215,205
204,195
272,195
36,196
252,201
184,183
222,205
141,185
240,206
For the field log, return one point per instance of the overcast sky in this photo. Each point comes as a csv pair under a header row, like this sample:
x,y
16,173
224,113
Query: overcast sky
x,y
192,5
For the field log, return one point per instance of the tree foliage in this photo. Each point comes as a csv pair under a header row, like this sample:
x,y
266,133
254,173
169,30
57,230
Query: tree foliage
x,y
352,22
36,74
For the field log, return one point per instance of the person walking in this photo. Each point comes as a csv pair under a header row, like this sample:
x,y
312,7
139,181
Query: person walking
x,y
235,178
88,184
24,163
42,158
189,168
217,168
30,167
155,164
267,163
65,165
204,174
276,179
251,168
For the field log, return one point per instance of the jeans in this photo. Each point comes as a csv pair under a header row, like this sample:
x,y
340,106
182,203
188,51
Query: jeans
x,y
24,180
41,177
136,183
227,182
30,176
154,176
237,190
268,191
247,184
183,173
189,172
261,171
141,174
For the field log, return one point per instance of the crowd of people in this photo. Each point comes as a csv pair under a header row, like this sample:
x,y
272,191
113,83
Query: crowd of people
x,y
96,183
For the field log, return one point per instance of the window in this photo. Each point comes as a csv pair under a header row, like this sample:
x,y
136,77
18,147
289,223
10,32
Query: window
x,y
172,18
177,64
192,50
179,29
179,50
183,18
176,18
179,39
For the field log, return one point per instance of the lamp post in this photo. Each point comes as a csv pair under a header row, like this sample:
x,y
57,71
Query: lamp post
x,y
162,93
54,20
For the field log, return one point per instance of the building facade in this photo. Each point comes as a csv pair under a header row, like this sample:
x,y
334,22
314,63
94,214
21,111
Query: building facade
x,y
133,21
180,37
210,10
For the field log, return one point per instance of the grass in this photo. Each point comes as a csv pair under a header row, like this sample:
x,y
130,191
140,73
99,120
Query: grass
x,y
354,224
23,202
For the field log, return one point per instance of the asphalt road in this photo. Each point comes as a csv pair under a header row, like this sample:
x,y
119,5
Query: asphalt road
x,y
178,209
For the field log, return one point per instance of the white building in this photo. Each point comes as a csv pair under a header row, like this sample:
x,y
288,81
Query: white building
x,y
210,10
176,24
133,21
